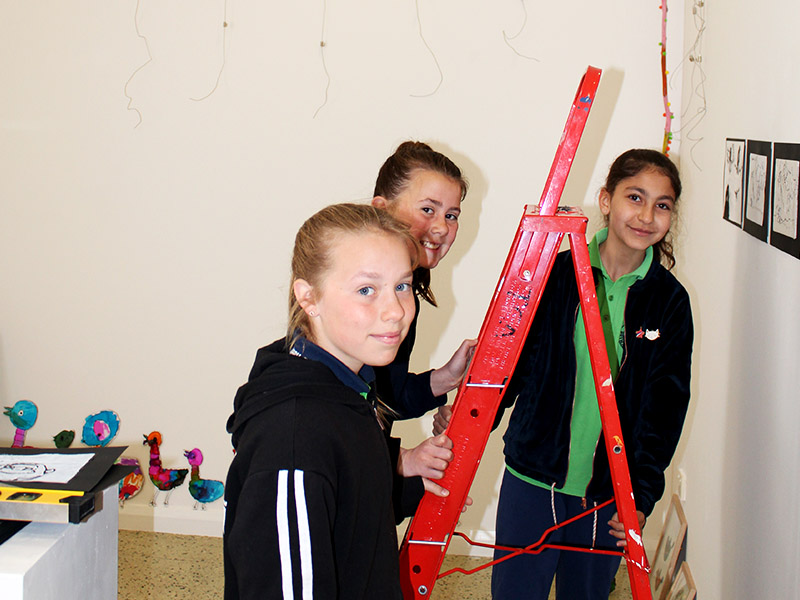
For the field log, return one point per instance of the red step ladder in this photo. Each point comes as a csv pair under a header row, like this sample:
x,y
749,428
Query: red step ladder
x,y
500,342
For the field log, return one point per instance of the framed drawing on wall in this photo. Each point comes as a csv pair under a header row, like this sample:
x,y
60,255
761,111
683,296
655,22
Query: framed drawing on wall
x,y
757,196
733,181
683,587
668,549
785,198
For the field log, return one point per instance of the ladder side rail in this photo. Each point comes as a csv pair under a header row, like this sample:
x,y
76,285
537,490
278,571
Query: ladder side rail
x,y
503,335
495,364
507,323
636,558
570,138
522,239
417,576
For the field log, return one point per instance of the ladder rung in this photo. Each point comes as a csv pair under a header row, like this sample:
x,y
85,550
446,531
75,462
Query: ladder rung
x,y
486,385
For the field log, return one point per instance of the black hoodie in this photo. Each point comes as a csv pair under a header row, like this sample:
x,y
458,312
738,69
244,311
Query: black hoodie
x,y
309,491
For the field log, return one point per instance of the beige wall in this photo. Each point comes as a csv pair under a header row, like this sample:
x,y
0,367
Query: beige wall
x,y
144,239
742,454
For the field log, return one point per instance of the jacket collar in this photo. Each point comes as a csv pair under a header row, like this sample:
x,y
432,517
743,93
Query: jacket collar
x,y
594,257
361,383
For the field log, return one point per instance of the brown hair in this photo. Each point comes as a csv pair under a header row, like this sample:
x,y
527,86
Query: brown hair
x,y
313,244
631,163
393,178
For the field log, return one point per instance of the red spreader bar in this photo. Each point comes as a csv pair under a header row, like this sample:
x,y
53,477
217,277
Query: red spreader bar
x,y
534,548
500,342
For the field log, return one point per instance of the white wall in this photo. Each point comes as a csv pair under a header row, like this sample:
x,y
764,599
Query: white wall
x,y
742,454
144,239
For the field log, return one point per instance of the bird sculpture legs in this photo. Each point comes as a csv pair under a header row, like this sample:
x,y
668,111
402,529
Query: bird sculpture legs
x,y
155,497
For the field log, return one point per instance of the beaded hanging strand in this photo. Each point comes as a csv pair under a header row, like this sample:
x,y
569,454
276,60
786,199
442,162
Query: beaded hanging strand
x,y
668,116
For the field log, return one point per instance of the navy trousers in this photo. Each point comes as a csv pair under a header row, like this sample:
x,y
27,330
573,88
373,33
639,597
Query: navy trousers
x,y
524,511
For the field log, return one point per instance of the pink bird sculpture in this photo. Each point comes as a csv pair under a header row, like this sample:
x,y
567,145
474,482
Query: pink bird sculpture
x,y
165,480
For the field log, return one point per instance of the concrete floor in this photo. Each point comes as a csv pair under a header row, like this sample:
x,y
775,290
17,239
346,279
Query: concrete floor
x,y
161,565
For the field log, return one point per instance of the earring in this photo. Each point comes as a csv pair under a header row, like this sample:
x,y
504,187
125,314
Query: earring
x,y
311,313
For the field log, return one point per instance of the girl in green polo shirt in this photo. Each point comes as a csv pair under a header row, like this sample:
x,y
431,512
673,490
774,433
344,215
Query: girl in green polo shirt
x,y
555,454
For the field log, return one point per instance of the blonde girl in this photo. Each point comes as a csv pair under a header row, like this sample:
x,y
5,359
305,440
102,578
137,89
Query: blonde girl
x,y
309,492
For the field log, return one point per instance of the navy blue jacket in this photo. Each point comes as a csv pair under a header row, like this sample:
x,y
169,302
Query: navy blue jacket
x,y
652,388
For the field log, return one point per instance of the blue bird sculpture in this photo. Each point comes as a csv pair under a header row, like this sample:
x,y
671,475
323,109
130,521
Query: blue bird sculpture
x,y
23,415
202,490
99,429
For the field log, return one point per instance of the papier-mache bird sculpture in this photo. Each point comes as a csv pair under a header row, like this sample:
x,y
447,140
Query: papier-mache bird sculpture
x,y
98,431
132,483
64,438
23,415
100,428
165,480
202,490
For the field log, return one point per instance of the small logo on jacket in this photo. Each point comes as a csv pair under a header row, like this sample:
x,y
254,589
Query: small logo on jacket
x,y
650,334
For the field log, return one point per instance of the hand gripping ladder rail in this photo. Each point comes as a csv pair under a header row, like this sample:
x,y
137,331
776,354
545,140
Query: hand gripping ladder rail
x,y
499,345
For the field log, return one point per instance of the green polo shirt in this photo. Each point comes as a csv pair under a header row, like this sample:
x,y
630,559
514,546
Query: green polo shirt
x,y
585,427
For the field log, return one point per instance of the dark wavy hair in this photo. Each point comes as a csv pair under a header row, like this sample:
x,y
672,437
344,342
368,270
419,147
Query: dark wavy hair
x,y
631,163
394,176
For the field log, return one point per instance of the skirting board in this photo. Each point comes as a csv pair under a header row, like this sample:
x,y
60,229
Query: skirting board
x,y
181,520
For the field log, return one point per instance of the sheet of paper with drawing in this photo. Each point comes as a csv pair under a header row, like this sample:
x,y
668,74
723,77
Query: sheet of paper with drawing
x,y
46,467
69,469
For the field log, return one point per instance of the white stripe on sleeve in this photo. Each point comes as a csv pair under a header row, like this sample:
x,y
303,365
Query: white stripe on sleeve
x,y
304,535
282,518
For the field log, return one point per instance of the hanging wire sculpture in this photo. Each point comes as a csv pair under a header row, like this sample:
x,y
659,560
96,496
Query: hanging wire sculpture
x,y
224,39
507,38
696,106
139,68
435,60
322,56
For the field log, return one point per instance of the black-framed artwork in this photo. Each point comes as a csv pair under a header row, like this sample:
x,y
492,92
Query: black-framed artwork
x,y
785,198
757,197
733,181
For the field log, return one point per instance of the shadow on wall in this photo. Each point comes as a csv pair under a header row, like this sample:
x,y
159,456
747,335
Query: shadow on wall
x,y
579,188
577,192
442,277
760,491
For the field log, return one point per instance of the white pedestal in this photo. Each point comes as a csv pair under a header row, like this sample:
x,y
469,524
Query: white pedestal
x,y
47,561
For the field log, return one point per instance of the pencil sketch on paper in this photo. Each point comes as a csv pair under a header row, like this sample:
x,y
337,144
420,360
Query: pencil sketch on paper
x,y
756,189
784,212
734,171
42,468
